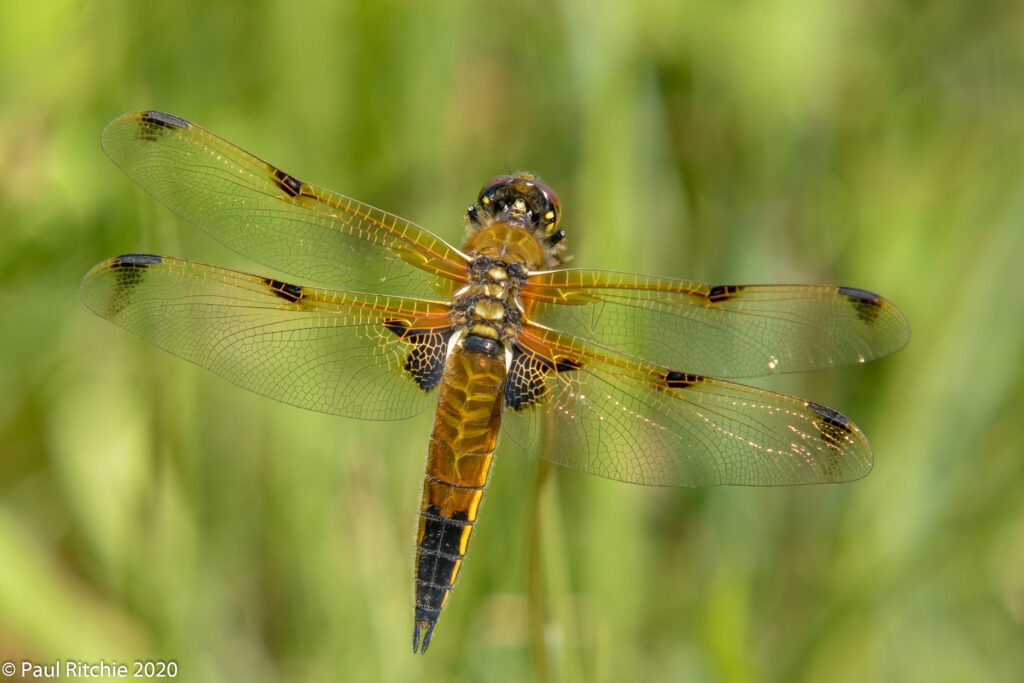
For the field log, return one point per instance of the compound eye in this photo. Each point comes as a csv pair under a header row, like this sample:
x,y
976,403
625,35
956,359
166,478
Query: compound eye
x,y
551,211
492,187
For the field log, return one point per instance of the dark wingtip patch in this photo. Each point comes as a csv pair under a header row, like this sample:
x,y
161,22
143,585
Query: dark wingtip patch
x,y
681,380
136,260
285,290
860,294
130,267
159,118
288,183
567,364
718,293
835,428
867,304
831,418
153,123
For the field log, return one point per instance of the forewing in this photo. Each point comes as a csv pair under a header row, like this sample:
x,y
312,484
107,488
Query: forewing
x,y
618,417
365,356
724,330
274,218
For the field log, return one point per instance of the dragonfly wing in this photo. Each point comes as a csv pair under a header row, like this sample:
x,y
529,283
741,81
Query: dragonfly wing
x,y
723,331
274,218
356,355
608,414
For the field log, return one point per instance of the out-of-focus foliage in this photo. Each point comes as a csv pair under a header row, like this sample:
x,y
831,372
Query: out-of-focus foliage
x,y
149,510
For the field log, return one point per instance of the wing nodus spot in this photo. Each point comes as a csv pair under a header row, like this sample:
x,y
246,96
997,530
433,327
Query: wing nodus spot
x,y
524,385
425,361
718,293
288,183
681,380
567,364
867,304
286,291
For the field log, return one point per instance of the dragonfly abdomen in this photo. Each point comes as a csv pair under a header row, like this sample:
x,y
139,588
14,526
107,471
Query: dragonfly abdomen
x,y
459,458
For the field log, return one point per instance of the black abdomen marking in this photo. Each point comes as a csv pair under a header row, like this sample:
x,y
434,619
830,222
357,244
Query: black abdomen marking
x,y
437,560
476,344
286,291
442,539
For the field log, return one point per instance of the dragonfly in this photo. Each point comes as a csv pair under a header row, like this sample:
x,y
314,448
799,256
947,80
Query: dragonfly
x,y
626,376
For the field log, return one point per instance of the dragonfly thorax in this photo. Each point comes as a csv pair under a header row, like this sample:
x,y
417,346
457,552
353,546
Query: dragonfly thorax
x,y
488,306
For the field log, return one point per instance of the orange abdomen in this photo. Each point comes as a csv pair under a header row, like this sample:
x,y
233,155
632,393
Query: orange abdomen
x,y
459,458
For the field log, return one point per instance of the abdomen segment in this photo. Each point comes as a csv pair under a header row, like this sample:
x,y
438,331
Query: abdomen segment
x,y
459,459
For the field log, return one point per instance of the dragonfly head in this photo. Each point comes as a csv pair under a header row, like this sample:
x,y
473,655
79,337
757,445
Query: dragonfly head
x,y
523,200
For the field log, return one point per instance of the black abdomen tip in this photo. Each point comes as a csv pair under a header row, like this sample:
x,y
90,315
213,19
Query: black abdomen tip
x,y
423,629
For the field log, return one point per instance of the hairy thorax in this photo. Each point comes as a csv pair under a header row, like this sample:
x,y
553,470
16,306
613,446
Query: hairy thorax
x,y
488,306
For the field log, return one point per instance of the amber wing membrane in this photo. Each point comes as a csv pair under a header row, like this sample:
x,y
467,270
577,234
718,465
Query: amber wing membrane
x,y
331,351
273,217
616,416
725,330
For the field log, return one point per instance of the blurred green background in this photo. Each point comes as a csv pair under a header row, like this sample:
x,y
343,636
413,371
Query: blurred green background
x,y
150,510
